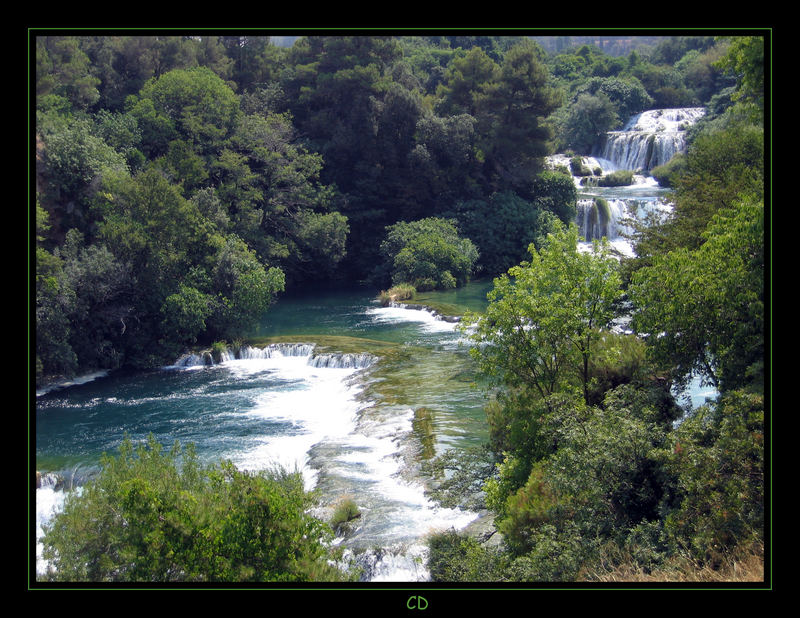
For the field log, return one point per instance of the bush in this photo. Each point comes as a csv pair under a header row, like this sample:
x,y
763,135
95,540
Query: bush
x,y
504,225
577,167
404,291
155,516
620,178
428,254
667,173
454,557
346,511
717,456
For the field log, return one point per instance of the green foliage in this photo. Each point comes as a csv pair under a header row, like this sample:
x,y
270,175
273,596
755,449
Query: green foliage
x,y
244,289
191,104
717,457
627,94
586,120
745,60
704,308
459,474
74,157
722,164
428,254
577,167
620,178
526,509
667,173
344,513
545,316
458,558
404,291
505,225
160,516
555,192
82,305
64,69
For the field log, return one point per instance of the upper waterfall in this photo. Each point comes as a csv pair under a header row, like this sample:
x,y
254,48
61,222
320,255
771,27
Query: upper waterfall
x,y
649,139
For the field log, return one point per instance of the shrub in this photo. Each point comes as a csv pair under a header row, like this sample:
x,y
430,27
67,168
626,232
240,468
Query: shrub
x,y
159,516
504,225
218,349
403,291
454,557
428,254
344,513
578,168
667,173
620,178
717,456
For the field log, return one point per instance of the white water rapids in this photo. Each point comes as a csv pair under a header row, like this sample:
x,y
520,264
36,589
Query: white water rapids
x,y
344,444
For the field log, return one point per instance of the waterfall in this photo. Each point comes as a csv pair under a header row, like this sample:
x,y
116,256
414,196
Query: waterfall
x,y
342,361
612,218
597,218
649,139
278,350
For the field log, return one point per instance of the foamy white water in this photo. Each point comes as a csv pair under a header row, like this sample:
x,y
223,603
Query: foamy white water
x,y
48,502
399,314
320,425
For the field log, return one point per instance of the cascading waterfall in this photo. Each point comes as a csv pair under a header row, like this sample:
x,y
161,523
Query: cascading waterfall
x,y
597,218
649,139
299,406
277,350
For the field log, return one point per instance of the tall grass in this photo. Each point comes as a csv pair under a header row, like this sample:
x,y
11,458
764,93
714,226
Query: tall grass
x,y
402,291
744,564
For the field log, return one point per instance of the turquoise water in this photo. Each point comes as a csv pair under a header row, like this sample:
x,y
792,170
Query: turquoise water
x,y
351,431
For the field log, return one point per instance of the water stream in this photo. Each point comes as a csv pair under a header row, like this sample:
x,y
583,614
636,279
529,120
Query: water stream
x,y
334,391
338,404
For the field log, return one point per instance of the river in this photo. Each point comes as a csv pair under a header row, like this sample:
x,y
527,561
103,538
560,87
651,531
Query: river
x,y
353,394
353,428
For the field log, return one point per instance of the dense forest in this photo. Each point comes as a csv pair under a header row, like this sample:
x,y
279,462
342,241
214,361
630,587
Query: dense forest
x,y
183,183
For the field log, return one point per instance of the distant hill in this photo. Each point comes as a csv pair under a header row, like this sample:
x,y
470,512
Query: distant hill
x,y
612,45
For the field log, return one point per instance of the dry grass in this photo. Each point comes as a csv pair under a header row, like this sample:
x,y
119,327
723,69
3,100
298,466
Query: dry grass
x,y
741,566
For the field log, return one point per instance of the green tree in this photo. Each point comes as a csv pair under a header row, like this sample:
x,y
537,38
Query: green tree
x,y
545,317
192,104
64,69
160,236
523,99
276,200
588,119
469,81
717,458
152,516
745,60
73,160
627,94
502,227
720,166
244,288
428,254
703,309
509,102
555,192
